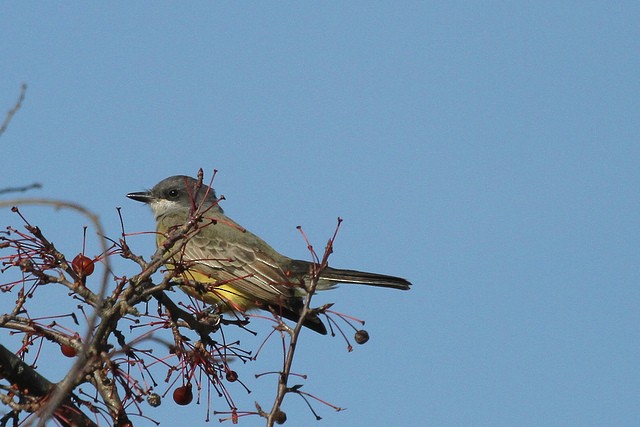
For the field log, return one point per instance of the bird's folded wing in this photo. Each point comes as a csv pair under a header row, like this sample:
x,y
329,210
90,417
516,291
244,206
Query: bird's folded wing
x,y
249,270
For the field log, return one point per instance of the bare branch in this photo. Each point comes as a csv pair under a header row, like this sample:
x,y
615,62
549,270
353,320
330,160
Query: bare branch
x,y
68,383
38,387
20,189
14,110
276,415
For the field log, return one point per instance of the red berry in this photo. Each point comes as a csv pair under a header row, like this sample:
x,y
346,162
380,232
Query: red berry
x,y
183,395
68,351
83,265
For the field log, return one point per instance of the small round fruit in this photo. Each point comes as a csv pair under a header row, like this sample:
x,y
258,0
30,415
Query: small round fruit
x,y
280,417
83,265
68,351
183,395
362,336
232,376
154,399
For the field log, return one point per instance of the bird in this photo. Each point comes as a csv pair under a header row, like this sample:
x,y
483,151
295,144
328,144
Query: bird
x,y
225,265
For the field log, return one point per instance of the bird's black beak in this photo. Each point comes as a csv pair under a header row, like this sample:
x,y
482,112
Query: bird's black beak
x,y
142,196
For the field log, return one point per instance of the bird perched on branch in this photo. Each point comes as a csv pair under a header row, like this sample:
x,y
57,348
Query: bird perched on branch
x,y
224,264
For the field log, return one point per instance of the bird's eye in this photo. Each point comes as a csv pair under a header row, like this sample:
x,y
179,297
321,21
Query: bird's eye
x,y
173,194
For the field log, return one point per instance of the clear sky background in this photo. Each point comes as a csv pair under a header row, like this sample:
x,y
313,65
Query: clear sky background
x,y
487,151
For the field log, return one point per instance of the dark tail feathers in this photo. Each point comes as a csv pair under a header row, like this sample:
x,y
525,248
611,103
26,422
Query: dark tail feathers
x,y
335,276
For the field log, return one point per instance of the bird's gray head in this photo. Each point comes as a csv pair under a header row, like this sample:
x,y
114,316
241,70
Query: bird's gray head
x,y
178,193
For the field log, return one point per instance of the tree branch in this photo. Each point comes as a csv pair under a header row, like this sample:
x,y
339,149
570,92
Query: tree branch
x,y
276,415
14,110
31,385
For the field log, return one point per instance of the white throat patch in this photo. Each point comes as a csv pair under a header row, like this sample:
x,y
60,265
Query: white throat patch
x,y
161,207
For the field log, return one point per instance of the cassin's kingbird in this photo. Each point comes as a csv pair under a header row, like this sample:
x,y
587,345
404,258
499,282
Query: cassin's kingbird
x,y
226,265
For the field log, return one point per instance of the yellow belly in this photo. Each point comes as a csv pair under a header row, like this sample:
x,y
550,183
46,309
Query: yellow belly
x,y
205,288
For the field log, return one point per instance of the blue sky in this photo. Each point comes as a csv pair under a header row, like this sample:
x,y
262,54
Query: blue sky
x,y
487,151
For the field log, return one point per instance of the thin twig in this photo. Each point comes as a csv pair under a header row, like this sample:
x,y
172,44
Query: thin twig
x,y
14,110
21,189
276,414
